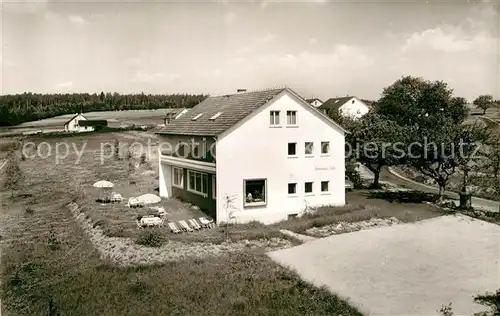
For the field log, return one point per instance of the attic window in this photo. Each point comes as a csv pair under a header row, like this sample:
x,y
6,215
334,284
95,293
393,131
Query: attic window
x,y
197,116
216,115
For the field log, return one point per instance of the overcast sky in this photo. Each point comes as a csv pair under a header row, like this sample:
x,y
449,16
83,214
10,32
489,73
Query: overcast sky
x,y
318,48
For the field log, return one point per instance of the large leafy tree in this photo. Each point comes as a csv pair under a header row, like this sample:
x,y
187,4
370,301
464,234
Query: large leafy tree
x,y
484,102
413,101
432,119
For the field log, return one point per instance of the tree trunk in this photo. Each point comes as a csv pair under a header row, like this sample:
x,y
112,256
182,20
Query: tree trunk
x,y
484,111
376,179
441,192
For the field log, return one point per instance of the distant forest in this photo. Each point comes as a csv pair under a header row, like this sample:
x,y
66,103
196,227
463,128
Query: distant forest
x,y
19,108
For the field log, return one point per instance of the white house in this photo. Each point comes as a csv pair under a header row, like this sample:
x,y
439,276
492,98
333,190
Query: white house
x,y
263,155
346,106
315,102
73,125
173,114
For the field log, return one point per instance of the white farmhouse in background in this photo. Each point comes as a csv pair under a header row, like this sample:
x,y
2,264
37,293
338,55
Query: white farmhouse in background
x,y
262,155
73,124
346,106
315,102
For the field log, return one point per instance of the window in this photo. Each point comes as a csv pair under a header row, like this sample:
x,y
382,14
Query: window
x,y
198,182
292,149
325,147
177,177
309,148
308,187
274,118
197,116
255,192
196,151
216,115
214,187
292,188
180,149
291,117
324,186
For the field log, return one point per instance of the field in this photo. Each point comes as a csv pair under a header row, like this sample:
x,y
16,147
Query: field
x,y
87,261
114,118
52,254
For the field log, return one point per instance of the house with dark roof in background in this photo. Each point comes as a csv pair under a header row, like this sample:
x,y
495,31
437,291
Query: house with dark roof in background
x,y
346,106
262,155
315,102
73,124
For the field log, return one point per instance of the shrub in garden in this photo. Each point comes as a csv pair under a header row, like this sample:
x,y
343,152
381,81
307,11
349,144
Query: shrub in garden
x,y
150,238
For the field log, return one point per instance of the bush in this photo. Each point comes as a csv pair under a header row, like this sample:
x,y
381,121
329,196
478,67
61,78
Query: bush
x,y
353,174
150,238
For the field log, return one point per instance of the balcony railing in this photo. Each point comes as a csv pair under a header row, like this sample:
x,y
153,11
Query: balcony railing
x,y
196,164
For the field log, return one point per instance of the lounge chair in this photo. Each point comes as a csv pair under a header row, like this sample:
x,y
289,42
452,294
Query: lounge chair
x,y
206,223
185,226
194,224
173,228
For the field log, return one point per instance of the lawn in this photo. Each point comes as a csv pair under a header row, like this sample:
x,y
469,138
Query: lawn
x,y
47,255
362,205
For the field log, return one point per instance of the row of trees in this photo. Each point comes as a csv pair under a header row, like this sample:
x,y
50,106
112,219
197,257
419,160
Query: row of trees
x,y
421,124
20,108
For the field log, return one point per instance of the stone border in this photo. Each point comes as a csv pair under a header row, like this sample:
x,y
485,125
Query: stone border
x,y
125,252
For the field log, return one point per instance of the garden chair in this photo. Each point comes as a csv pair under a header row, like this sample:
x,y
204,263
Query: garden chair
x,y
185,226
173,228
139,224
205,222
194,224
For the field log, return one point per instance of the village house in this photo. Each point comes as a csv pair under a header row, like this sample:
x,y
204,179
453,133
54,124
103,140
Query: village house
x,y
315,102
263,155
348,106
79,123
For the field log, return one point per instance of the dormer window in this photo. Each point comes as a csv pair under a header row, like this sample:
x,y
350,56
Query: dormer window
x,y
197,116
216,115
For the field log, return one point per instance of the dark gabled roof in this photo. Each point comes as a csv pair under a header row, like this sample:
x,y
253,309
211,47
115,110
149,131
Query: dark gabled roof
x,y
334,103
72,118
234,108
93,123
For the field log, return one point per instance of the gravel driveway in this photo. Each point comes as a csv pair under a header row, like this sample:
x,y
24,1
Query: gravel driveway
x,y
409,269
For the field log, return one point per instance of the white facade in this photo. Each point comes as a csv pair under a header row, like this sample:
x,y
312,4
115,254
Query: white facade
x,y
256,150
74,126
354,108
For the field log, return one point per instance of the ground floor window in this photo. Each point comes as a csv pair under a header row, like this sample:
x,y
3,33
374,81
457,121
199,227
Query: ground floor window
x,y
255,191
324,186
177,177
198,182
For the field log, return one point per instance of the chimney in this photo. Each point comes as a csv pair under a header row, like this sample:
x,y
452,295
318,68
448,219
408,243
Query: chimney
x,y
241,90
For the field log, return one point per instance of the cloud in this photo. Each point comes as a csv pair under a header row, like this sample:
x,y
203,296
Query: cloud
x,y
229,18
448,39
313,41
76,19
258,41
64,85
340,57
158,77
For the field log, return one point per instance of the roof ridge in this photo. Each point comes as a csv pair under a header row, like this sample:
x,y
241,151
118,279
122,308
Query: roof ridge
x,y
252,91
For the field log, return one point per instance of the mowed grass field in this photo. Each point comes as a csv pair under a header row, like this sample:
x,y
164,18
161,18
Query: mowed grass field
x,y
114,118
47,257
